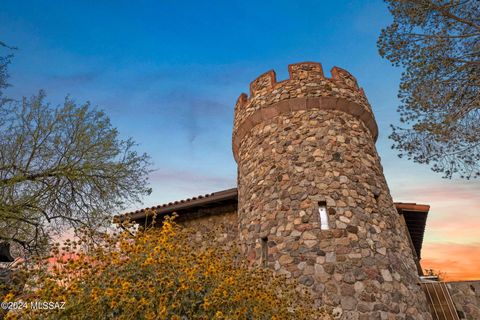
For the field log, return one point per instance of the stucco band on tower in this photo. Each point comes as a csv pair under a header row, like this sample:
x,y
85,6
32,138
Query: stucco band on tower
x,y
306,142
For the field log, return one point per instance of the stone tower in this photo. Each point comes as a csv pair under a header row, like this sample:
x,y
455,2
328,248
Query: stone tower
x,y
313,202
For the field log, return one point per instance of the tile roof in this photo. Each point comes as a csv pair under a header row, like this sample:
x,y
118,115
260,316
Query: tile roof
x,y
201,200
415,214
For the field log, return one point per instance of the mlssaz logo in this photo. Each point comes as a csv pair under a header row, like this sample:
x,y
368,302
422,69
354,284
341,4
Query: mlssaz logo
x,y
47,305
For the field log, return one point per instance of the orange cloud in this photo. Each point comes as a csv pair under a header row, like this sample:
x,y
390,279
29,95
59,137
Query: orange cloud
x,y
454,208
458,261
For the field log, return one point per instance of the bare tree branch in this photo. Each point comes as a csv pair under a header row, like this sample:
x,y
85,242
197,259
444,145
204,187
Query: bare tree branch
x,y
438,44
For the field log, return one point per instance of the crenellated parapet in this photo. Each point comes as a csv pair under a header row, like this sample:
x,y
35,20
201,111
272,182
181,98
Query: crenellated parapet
x,y
313,203
306,88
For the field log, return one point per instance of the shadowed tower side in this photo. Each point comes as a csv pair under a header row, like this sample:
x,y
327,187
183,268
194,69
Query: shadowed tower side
x,y
313,202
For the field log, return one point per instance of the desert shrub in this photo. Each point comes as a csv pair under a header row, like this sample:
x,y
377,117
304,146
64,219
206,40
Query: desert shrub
x,y
158,273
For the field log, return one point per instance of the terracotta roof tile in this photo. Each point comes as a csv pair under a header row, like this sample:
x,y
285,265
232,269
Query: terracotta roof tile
x,y
415,214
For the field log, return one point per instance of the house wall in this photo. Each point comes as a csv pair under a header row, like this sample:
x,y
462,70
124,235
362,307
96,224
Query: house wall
x,y
219,223
466,297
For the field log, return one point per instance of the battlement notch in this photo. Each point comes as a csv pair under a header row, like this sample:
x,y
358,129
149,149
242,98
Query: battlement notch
x,y
306,88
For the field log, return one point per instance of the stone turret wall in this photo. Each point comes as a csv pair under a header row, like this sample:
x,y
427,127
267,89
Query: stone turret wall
x,y
306,142
306,87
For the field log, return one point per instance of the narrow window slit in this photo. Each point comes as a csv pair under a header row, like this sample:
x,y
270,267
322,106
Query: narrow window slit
x,y
322,211
264,242
376,194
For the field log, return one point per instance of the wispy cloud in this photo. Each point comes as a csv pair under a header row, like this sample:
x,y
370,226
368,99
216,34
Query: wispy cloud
x,y
202,77
174,184
79,78
175,177
193,112
444,191
454,208
458,261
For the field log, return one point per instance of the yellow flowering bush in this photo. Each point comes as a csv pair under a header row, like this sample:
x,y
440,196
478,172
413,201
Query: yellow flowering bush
x,y
159,273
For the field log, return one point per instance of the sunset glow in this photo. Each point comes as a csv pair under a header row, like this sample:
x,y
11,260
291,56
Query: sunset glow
x,y
168,75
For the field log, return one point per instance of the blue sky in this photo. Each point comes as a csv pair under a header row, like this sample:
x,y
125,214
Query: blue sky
x,y
169,72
